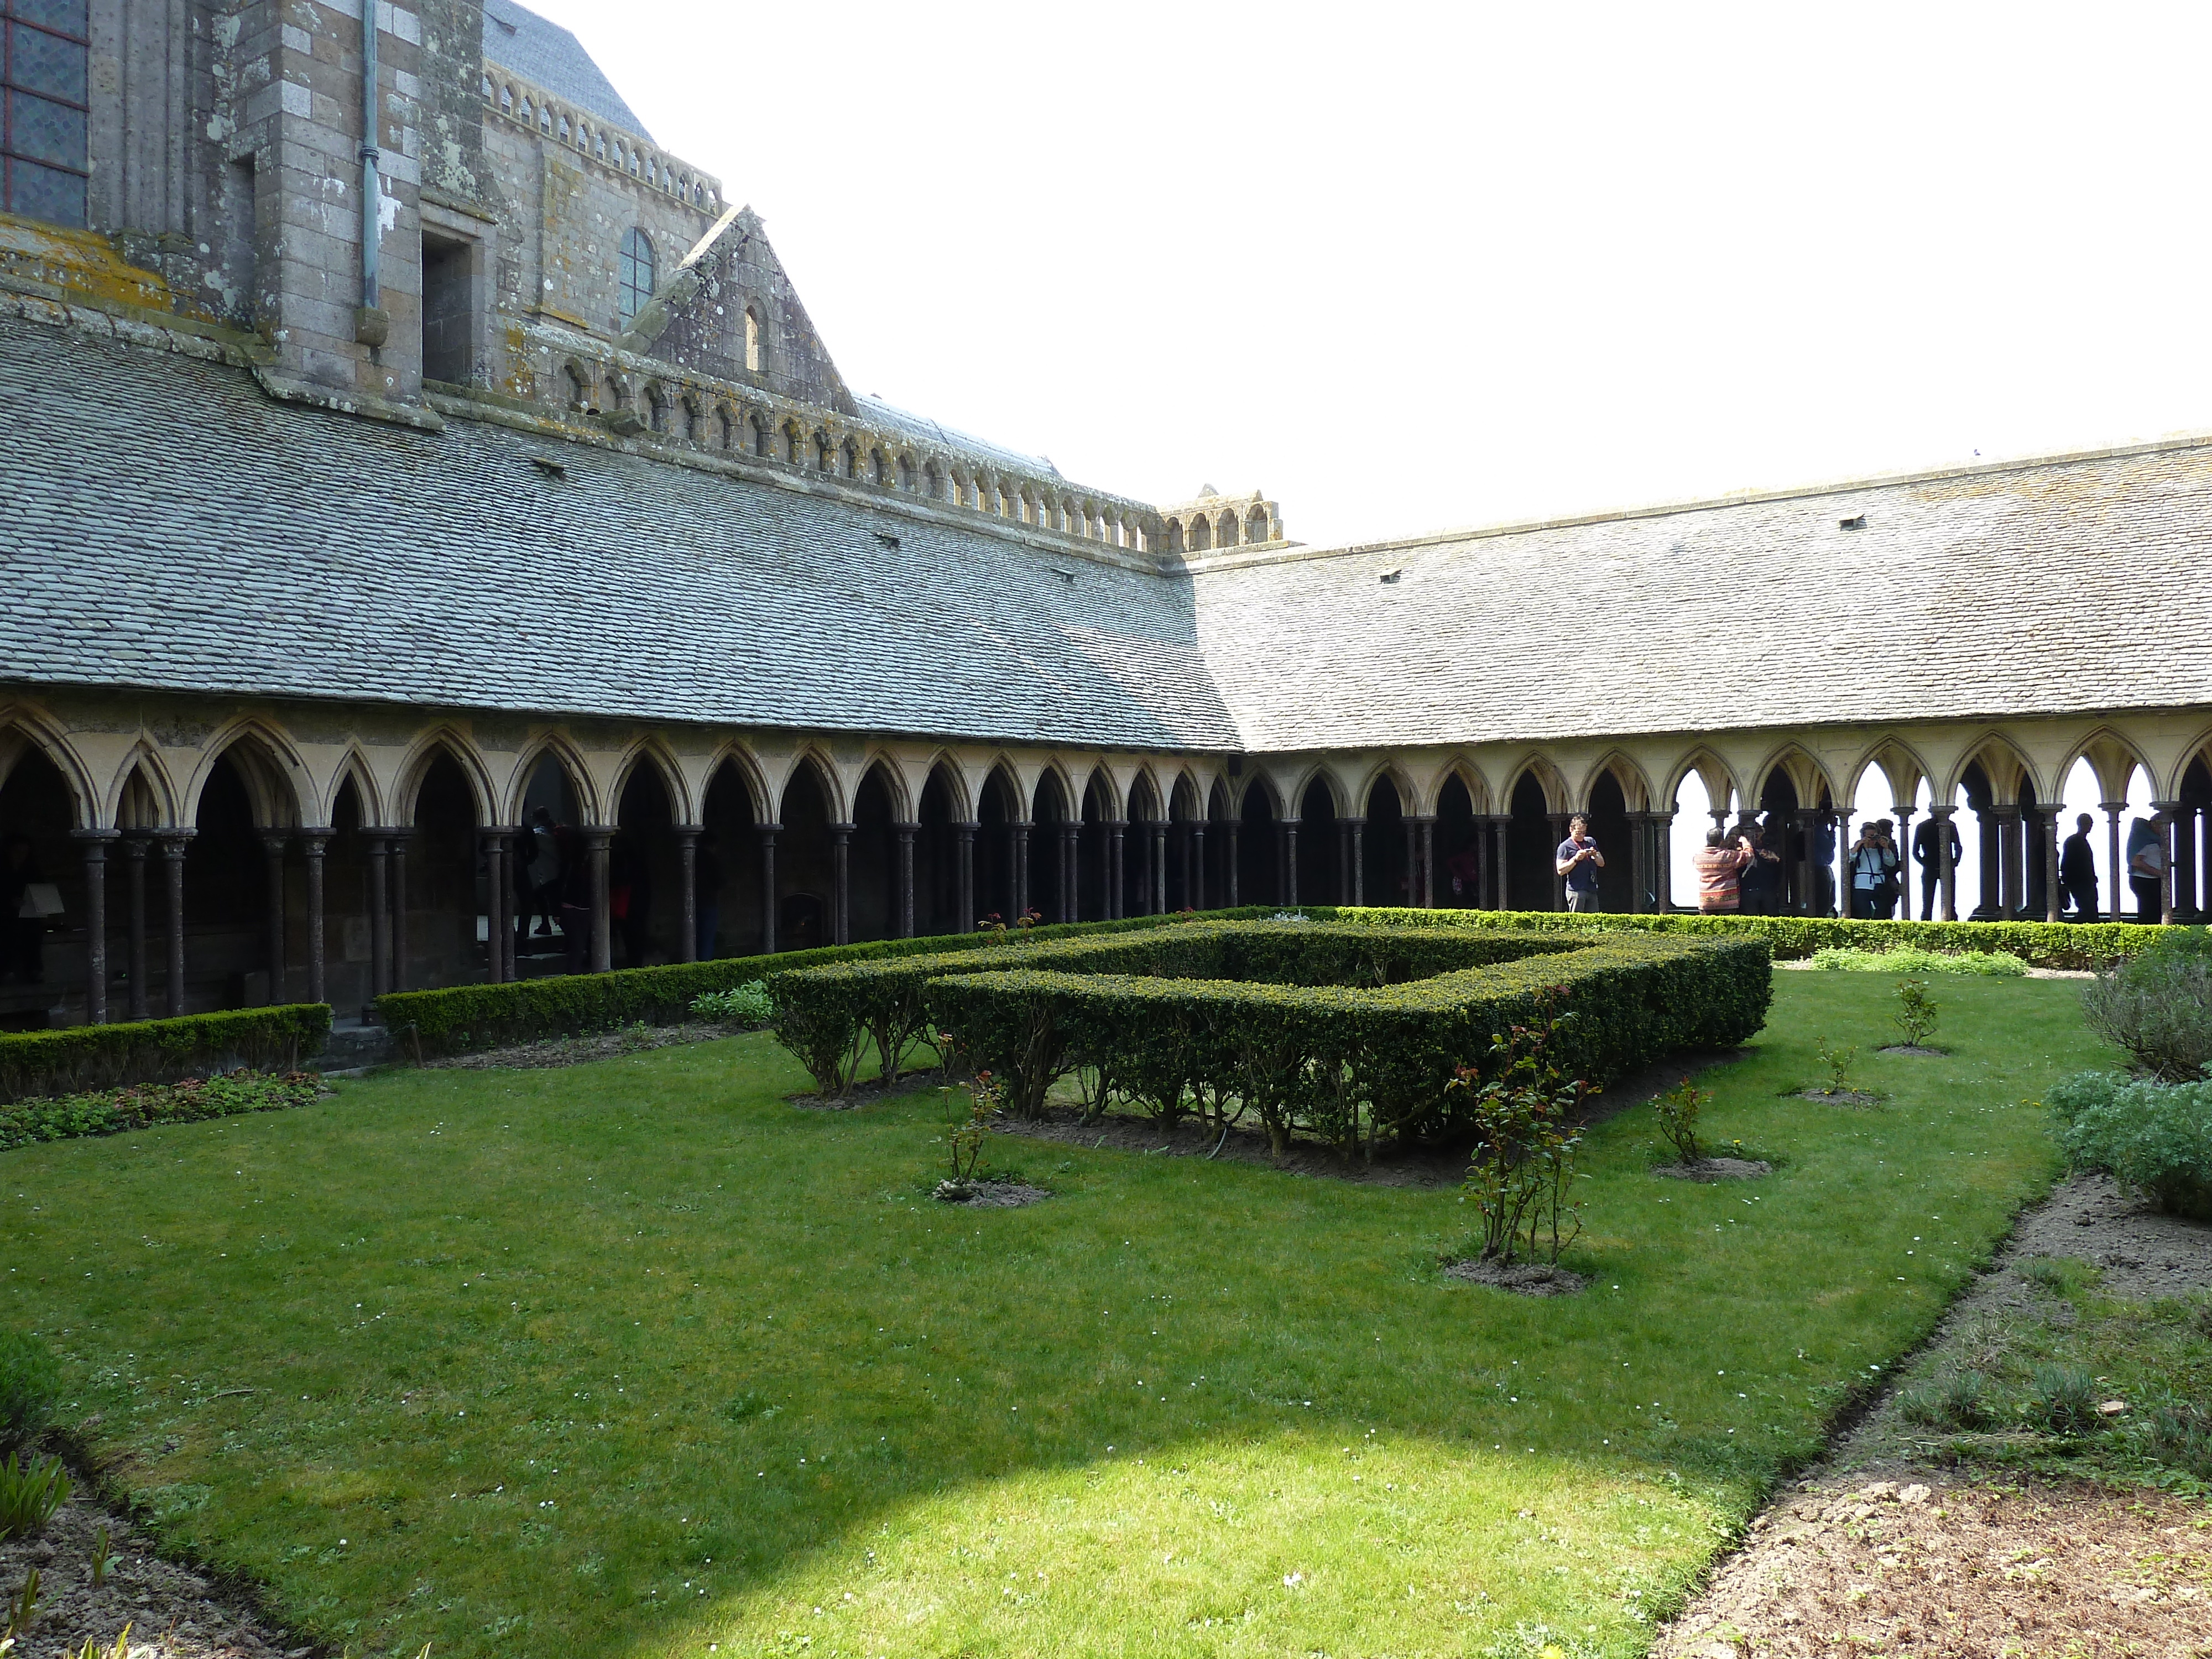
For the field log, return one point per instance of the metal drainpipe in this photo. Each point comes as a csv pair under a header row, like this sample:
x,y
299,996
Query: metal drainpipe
x,y
372,327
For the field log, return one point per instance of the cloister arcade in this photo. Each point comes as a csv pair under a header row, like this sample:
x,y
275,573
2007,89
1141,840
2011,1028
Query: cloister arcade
x,y
209,858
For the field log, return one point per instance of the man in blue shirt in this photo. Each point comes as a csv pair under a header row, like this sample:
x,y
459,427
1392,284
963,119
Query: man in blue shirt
x,y
1579,861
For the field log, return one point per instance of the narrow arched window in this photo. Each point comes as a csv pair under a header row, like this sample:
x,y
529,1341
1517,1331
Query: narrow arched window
x,y
633,275
752,340
44,109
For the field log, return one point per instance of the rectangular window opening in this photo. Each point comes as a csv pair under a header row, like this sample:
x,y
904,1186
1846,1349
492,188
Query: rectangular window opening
x,y
45,104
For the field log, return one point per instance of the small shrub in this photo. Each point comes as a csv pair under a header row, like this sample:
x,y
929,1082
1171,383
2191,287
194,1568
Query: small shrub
x,y
2179,1434
1960,1400
1911,959
20,1608
114,1111
103,1559
30,1492
741,1005
1522,1179
2157,1006
159,1050
1837,1061
2155,1137
2062,1400
1915,1012
825,1036
30,1388
1678,1110
966,1126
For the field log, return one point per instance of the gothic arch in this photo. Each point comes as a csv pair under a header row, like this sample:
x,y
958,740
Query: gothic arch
x,y
1270,793
2003,764
27,730
741,761
1902,766
1145,802
648,751
1806,776
1635,785
1063,780
354,769
1391,769
2106,749
1548,779
894,775
276,780
1332,785
1470,778
153,804
1718,777
564,755
443,740
2197,747
811,759
944,765
1111,805
1185,791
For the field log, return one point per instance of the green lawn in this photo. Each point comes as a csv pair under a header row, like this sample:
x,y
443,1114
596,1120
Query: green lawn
x,y
636,1359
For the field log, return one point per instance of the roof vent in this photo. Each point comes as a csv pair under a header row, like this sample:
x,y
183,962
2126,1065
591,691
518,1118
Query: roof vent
x,y
887,538
549,466
1390,576
1855,523
1065,576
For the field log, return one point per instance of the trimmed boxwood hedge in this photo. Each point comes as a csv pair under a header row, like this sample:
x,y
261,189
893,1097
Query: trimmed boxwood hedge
x,y
1349,1029
2039,943
80,1057
459,1018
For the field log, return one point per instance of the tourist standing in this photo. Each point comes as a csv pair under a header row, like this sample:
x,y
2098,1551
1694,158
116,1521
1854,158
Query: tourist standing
x,y
1924,853
1720,867
1760,893
2077,869
1579,861
575,888
1872,866
544,869
2147,870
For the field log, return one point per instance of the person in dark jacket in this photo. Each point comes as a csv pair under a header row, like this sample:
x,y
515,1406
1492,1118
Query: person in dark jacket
x,y
1762,878
708,887
2077,870
1927,854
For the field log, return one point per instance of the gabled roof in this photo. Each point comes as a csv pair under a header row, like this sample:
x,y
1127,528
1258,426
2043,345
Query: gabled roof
x,y
2070,584
171,527
517,39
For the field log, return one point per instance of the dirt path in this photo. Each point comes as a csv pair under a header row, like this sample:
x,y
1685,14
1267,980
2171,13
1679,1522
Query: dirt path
x,y
1882,1550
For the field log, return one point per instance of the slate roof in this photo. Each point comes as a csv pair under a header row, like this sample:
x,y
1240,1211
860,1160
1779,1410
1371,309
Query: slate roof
x,y
2073,585
168,525
541,51
922,428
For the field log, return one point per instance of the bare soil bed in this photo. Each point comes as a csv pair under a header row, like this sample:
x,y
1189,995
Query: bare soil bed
x,y
870,1093
576,1050
172,1613
1716,1168
1522,1277
992,1194
1883,1549
1839,1097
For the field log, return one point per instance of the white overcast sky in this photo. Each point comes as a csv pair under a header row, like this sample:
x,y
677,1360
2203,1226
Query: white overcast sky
x,y
1413,266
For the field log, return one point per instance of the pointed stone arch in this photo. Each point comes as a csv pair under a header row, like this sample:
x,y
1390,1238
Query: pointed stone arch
x,y
2113,757
817,764
1807,778
746,766
1717,776
142,794
651,753
1901,765
1409,796
22,730
445,740
1548,777
1635,784
281,792
2004,764
945,770
352,768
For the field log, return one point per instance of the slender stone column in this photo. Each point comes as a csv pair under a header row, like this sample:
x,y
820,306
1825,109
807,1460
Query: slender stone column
x,y
379,914
841,884
1558,882
1663,849
1904,879
2116,868
2053,900
2168,811
273,843
2011,895
902,879
134,960
2185,860
313,843
597,839
1017,872
1230,827
1498,823
1198,865
1113,829
1353,833
963,861
768,834
1842,872
499,934
1424,878
95,845
1288,886
399,839
1947,898
174,842
1159,867
687,858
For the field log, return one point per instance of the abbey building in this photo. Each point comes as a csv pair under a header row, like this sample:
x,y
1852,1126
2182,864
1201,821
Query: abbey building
x,y
400,451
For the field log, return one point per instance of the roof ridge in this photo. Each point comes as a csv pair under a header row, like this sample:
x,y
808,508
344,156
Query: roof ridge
x,y
2173,441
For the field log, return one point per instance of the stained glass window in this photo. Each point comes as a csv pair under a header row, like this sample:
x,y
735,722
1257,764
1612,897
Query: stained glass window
x,y
43,97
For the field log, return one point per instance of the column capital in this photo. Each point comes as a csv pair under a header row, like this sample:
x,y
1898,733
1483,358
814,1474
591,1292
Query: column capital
x,y
1358,819
687,828
314,840
135,844
966,826
1941,809
905,829
596,835
91,838
841,830
2167,808
1114,823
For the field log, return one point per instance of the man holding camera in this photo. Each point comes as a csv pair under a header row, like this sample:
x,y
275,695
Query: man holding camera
x,y
1579,861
